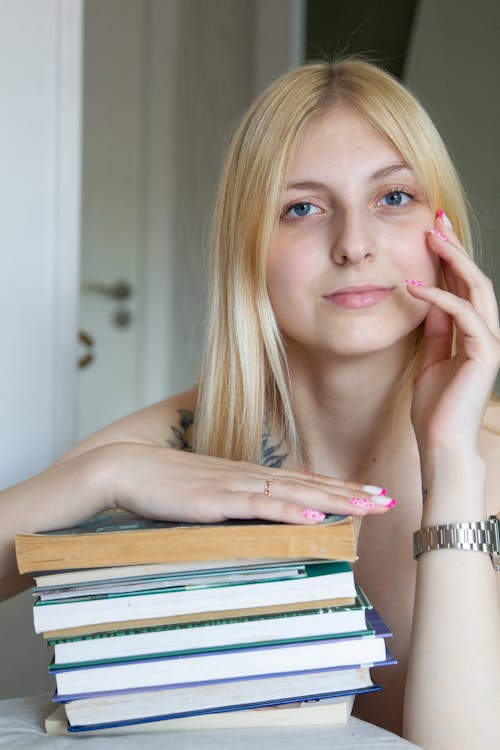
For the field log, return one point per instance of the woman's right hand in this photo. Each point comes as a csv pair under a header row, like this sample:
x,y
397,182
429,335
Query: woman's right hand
x,y
168,484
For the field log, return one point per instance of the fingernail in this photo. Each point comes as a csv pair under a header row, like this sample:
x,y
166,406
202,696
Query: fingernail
x,y
361,502
314,515
378,496
414,282
372,489
446,220
385,502
439,234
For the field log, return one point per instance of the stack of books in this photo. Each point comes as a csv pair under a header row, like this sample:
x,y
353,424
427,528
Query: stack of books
x,y
158,626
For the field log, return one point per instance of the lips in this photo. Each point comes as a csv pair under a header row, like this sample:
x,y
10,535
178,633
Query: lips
x,y
356,297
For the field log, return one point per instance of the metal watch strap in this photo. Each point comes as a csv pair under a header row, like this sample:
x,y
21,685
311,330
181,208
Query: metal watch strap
x,y
481,536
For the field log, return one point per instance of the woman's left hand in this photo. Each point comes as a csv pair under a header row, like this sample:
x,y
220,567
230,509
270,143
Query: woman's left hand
x,y
456,379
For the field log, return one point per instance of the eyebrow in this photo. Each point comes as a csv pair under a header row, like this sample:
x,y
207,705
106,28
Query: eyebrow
x,y
380,173
387,171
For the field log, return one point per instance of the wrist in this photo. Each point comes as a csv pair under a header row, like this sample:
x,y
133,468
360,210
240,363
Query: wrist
x,y
93,479
454,491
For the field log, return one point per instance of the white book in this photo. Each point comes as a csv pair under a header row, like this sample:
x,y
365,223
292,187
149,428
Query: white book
x,y
211,635
92,611
323,713
119,707
221,665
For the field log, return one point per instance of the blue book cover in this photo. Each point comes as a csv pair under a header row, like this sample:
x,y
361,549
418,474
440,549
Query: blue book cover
x,y
248,706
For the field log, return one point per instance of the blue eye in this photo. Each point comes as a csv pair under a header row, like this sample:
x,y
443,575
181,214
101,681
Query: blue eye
x,y
396,198
300,210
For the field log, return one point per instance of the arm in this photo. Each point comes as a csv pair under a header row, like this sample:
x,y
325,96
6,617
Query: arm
x,y
129,464
453,689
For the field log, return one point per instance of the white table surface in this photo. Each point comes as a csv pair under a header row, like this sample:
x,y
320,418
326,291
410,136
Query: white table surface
x,y
22,726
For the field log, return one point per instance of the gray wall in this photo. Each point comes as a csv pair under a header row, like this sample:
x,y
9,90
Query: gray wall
x,y
215,80
453,67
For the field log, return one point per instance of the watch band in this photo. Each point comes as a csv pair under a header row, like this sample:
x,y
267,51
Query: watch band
x,y
480,536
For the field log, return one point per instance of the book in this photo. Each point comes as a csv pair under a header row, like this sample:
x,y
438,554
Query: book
x,y
87,576
117,537
181,669
333,579
201,577
318,713
213,634
108,627
125,705
199,580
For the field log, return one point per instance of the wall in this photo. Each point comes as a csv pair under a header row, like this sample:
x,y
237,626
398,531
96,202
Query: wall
x,y
39,153
214,84
453,67
38,300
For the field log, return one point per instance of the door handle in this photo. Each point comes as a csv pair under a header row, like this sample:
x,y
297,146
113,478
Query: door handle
x,y
120,290
88,357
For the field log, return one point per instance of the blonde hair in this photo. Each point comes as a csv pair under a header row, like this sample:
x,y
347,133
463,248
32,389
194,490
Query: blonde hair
x,y
244,378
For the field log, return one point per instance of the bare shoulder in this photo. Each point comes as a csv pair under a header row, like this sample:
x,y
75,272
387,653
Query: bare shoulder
x,y
168,423
490,450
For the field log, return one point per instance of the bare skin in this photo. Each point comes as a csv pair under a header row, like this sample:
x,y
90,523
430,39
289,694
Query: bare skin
x,y
353,215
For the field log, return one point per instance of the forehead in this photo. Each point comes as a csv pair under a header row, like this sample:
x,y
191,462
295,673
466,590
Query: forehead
x,y
341,139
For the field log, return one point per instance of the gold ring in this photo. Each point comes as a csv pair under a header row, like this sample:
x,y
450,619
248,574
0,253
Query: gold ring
x,y
267,486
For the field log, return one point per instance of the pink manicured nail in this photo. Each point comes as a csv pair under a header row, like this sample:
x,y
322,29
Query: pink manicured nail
x,y
439,234
414,282
446,220
372,489
314,515
361,502
390,504
385,502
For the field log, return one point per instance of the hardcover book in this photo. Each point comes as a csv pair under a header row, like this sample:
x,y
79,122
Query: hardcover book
x,y
283,659
321,580
318,713
211,635
176,702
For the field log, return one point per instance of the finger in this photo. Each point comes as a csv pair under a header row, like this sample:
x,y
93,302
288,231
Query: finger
x,y
306,477
327,499
476,336
438,337
473,284
241,505
450,279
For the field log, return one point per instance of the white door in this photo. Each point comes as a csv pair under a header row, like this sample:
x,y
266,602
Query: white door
x,y
113,200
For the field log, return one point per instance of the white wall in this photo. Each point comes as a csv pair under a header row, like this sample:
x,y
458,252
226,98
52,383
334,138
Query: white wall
x,y
39,195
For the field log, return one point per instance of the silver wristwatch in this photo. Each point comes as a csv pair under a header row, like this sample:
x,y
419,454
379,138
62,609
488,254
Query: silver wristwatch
x,y
481,536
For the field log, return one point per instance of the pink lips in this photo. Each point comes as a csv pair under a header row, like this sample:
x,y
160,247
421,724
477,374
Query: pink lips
x,y
356,297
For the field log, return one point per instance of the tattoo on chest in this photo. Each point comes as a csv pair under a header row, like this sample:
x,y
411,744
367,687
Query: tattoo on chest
x,y
269,455
180,441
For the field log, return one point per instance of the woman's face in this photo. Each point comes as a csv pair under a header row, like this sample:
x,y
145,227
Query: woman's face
x,y
352,228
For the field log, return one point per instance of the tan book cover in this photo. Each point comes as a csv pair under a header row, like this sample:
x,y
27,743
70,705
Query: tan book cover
x,y
117,537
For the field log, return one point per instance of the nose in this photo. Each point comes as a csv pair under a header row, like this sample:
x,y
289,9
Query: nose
x,y
352,239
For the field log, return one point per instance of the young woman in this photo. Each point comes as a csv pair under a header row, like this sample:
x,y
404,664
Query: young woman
x,y
351,337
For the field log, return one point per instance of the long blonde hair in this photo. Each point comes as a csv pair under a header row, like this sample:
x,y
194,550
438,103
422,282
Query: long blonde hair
x,y
244,378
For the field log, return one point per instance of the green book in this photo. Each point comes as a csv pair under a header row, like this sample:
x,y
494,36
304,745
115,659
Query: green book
x,y
212,635
322,581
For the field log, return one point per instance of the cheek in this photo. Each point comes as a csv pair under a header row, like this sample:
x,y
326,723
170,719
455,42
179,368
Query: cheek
x,y
289,265
418,262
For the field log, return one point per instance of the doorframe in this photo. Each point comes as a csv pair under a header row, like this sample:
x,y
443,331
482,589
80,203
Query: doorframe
x,y
67,216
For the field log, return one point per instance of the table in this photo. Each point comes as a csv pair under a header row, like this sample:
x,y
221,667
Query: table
x,y
21,726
